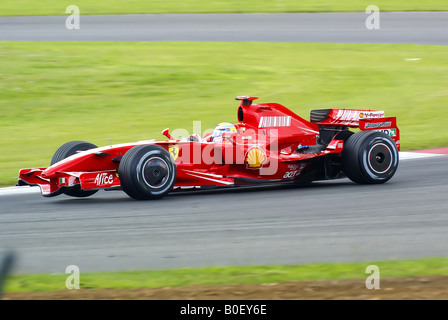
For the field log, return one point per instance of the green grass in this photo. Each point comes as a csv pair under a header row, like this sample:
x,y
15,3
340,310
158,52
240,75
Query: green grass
x,y
54,92
230,275
57,7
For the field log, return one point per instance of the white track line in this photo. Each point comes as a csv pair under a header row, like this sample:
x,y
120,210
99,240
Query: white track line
x,y
18,190
417,155
30,190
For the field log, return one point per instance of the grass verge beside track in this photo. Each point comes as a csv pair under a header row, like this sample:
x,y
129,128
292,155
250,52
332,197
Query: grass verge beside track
x,y
54,92
53,7
230,275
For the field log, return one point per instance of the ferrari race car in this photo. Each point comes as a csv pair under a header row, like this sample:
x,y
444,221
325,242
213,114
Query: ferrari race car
x,y
269,144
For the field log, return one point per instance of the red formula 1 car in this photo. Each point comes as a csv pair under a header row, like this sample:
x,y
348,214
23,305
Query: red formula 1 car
x,y
269,143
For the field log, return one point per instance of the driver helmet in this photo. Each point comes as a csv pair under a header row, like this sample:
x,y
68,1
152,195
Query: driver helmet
x,y
220,129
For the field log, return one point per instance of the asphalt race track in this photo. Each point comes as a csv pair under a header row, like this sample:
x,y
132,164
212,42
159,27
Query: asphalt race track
x,y
326,221
322,222
410,27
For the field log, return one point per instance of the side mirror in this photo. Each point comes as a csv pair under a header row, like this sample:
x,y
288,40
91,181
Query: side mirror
x,y
166,132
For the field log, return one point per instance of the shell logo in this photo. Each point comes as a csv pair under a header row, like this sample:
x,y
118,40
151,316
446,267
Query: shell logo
x,y
255,158
361,115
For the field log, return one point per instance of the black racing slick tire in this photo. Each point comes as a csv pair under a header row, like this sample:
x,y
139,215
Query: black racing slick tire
x,y
147,172
370,157
66,150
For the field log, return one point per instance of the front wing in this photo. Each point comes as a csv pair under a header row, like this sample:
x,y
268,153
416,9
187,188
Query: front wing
x,y
64,180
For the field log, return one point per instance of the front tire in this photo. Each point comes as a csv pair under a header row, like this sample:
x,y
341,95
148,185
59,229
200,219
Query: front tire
x,y
66,150
370,157
147,172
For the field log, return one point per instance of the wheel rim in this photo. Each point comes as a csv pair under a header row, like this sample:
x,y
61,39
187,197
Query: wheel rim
x,y
156,172
380,158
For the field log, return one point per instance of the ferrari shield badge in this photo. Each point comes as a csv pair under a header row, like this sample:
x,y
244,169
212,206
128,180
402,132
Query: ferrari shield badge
x,y
174,151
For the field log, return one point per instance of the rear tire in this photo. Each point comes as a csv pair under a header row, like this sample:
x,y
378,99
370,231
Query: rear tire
x,y
66,150
147,172
370,157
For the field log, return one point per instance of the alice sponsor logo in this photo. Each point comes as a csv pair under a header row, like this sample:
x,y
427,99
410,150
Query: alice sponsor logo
x,y
104,178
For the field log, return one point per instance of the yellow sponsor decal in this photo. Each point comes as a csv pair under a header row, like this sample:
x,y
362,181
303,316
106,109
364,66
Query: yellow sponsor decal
x,y
255,158
174,151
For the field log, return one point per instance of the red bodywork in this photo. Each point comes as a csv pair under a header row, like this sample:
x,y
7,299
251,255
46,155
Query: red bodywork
x,y
272,144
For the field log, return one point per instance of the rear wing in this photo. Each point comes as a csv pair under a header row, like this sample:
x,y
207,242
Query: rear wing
x,y
343,117
386,125
366,120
